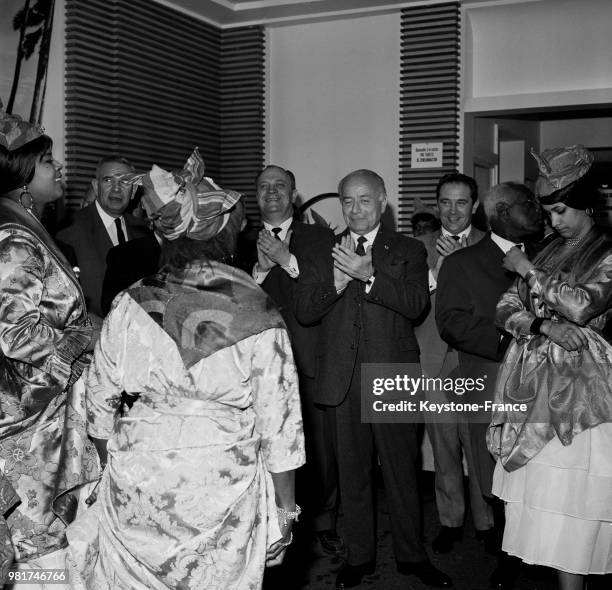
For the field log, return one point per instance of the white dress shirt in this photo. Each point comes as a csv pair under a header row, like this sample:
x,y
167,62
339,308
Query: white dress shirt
x,y
370,237
505,245
109,224
291,268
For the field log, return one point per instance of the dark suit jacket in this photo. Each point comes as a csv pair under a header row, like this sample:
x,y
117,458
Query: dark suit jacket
x,y
88,237
128,263
282,289
470,283
382,318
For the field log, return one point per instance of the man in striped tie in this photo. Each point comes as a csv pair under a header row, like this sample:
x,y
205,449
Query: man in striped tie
x,y
102,225
366,288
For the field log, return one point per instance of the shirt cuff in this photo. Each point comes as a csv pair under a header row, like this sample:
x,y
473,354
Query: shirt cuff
x,y
259,275
292,268
432,282
370,283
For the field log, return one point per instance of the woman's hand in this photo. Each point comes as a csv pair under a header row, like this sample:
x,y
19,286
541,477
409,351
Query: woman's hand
x,y
565,334
276,552
517,261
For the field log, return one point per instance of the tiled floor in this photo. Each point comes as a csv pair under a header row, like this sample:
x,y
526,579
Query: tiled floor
x,y
468,565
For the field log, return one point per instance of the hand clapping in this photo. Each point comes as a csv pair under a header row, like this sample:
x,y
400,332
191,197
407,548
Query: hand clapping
x,y
350,265
272,251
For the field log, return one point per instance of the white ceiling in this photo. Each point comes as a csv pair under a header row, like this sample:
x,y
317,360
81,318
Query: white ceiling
x,y
233,13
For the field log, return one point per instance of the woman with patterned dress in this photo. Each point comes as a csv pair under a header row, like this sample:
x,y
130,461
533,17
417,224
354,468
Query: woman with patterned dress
x,y
555,467
198,489
45,335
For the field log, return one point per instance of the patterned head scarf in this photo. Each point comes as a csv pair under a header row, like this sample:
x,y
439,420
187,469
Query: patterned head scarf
x,y
186,203
15,132
560,167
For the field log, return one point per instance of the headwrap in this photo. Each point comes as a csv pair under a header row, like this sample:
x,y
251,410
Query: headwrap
x,y
15,132
186,203
559,168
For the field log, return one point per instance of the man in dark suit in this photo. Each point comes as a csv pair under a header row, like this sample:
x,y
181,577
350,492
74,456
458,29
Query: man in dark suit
x,y
457,199
102,225
281,244
366,288
470,283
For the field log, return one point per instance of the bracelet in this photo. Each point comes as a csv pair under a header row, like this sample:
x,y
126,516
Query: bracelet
x,y
536,325
284,516
529,274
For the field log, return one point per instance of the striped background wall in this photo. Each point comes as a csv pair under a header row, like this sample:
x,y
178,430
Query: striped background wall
x,y
429,98
151,83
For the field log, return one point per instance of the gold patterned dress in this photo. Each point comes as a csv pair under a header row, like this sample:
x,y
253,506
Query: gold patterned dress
x,y
44,451
554,467
187,500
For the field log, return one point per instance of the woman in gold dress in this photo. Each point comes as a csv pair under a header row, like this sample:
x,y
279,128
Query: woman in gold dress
x,y
555,468
45,336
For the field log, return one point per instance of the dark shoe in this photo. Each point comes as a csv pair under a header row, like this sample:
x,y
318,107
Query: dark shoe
x,y
350,576
492,540
426,572
329,541
446,538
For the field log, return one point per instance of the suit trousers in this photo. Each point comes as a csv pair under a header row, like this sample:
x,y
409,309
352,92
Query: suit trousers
x,y
447,442
317,480
450,442
396,446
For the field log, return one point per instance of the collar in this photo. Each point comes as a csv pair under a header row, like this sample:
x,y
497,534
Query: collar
x,y
285,225
107,219
370,237
504,245
461,234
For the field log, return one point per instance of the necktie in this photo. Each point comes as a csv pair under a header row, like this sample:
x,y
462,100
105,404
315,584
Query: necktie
x,y
456,238
276,231
120,234
360,250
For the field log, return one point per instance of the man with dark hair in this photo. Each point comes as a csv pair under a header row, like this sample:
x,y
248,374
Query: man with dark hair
x,y
102,225
470,283
366,287
281,245
450,441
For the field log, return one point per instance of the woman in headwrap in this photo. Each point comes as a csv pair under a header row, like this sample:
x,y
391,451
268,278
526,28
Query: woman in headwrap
x,y
555,468
44,339
198,487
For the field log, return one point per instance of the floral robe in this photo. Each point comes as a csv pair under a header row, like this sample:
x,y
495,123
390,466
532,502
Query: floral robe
x,y
44,451
187,500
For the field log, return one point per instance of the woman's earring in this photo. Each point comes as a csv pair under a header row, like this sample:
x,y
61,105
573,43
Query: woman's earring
x,y
25,199
589,211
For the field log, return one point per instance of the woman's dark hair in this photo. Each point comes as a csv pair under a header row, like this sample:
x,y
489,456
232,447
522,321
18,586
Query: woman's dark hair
x,y
17,166
180,252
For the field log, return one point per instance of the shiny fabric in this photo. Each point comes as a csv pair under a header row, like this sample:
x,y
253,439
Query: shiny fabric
x,y
565,392
44,451
187,499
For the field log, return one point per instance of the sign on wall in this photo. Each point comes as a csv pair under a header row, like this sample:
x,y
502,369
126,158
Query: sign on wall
x,y
426,155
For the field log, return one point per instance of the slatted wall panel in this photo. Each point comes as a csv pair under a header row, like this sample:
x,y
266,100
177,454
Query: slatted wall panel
x,y
142,80
242,111
429,98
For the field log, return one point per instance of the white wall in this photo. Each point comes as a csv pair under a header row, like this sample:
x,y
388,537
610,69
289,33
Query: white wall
x,y
533,54
593,133
333,103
